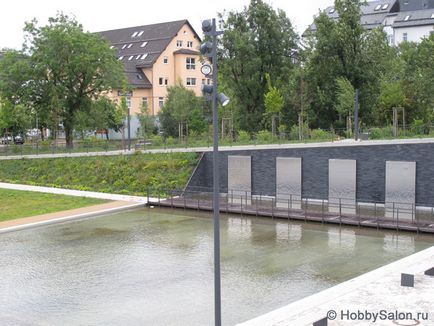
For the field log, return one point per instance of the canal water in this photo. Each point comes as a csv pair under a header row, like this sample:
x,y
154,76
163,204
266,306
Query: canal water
x,y
155,267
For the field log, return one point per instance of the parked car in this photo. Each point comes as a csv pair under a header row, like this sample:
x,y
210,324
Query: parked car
x,y
18,140
6,140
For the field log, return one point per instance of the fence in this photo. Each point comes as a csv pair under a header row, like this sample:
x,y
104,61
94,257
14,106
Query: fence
x,y
342,211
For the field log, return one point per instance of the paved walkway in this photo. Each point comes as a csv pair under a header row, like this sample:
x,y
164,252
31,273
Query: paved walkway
x,y
77,193
21,223
347,142
377,292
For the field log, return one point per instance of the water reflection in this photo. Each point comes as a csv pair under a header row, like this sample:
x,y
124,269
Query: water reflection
x,y
154,267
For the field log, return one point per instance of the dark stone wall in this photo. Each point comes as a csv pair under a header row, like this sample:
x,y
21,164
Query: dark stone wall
x,y
371,165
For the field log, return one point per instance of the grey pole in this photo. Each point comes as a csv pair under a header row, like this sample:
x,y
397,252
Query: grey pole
x,y
129,129
216,183
356,115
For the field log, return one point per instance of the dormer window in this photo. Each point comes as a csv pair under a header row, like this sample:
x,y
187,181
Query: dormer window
x,y
407,18
121,57
134,34
377,8
385,6
138,57
124,46
130,45
140,33
332,11
432,16
144,56
143,44
130,58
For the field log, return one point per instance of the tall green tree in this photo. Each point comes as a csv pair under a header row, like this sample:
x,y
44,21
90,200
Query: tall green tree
x,y
344,49
76,66
257,41
182,107
274,102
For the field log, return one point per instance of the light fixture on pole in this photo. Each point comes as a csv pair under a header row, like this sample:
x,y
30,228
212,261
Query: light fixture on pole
x,y
209,50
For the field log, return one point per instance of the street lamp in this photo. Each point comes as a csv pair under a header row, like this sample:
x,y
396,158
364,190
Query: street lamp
x,y
209,50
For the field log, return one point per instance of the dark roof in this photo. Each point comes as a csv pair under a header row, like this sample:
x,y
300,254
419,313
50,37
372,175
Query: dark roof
x,y
186,51
412,5
140,46
415,18
372,18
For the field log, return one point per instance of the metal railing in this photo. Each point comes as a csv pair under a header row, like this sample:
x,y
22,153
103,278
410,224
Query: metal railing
x,y
342,211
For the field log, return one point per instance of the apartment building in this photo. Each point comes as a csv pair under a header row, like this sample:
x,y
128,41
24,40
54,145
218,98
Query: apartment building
x,y
402,20
156,57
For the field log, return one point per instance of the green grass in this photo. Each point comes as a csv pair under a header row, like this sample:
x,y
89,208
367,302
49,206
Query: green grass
x,y
17,204
123,174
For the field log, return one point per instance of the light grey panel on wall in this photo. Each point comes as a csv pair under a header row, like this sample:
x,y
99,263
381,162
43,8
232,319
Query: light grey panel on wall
x,y
240,178
400,189
342,186
288,182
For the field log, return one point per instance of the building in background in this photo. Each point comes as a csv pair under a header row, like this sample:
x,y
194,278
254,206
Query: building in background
x,y
402,20
155,57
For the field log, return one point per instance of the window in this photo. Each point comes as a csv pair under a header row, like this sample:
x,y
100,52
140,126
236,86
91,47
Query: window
x,y
163,81
139,76
332,11
124,46
191,81
404,37
165,60
377,8
191,63
161,102
385,6
143,44
144,101
208,81
130,45
140,33
189,44
178,44
130,58
121,57
138,57
134,34
203,81
144,56
407,18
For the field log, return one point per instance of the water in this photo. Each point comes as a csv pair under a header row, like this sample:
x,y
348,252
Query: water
x,y
155,267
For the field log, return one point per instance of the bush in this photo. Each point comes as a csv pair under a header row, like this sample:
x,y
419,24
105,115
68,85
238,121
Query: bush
x,y
243,137
419,127
381,133
319,134
264,136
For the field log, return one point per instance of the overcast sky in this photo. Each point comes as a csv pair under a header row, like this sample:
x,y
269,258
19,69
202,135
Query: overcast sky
x,y
104,15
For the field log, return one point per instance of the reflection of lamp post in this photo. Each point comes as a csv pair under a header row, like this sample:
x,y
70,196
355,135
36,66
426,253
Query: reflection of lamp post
x,y
209,49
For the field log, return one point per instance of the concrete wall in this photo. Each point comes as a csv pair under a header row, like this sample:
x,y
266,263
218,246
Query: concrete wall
x,y
371,166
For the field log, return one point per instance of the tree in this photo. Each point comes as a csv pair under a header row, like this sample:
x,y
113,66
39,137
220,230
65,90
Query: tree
x,y
181,107
344,104
343,48
274,102
76,66
391,96
147,122
257,40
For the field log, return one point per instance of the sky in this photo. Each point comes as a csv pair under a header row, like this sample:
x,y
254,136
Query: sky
x,y
99,16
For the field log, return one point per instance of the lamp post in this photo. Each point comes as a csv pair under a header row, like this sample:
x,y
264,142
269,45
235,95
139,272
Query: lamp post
x,y
209,49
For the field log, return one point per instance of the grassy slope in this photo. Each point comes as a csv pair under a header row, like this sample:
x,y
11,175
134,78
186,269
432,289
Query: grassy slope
x,y
130,174
16,204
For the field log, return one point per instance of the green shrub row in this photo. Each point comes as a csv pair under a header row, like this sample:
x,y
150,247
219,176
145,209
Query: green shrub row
x,y
124,174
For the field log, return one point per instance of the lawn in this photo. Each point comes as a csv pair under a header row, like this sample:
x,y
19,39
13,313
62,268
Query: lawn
x,y
17,204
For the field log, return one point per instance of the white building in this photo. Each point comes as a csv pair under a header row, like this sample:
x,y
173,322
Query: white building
x,y
402,20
